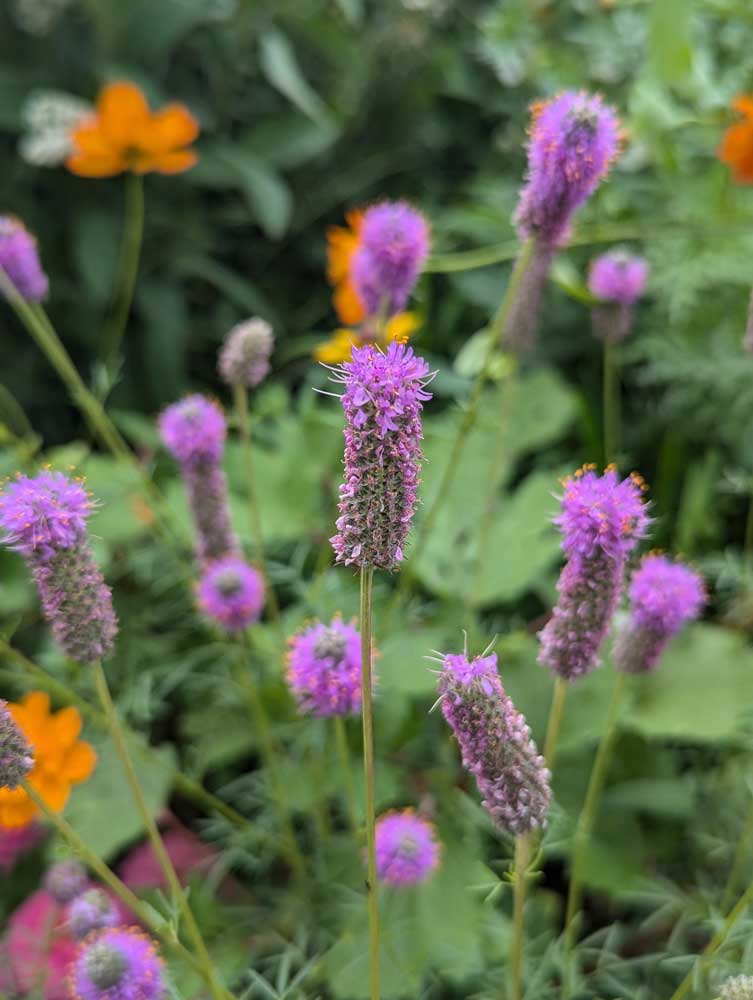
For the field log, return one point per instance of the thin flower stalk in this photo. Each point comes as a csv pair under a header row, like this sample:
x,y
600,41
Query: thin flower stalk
x,y
367,577
520,877
556,714
742,852
611,403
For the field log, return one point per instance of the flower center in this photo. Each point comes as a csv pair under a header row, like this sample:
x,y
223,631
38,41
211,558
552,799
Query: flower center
x,y
330,643
105,965
228,583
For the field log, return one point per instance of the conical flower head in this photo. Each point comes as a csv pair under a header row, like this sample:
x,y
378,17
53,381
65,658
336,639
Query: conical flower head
x,y
407,850
664,596
19,258
574,138
324,668
231,593
16,756
244,358
66,880
93,910
495,743
383,398
393,247
118,964
618,276
737,988
194,429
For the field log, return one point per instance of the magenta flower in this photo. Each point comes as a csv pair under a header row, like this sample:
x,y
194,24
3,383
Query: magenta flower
x,y
407,850
495,743
244,357
118,964
16,756
93,910
19,258
664,596
574,139
66,880
17,841
324,669
393,247
231,593
384,395
40,951
602,519
44,518
194,432
618,276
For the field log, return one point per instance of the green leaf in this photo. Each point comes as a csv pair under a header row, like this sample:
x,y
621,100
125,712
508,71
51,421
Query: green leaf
x,y
401,664
96,238
280,66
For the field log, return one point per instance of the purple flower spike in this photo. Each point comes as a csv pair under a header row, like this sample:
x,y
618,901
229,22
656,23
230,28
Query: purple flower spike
x,y
495,743
231,593
16,756
118,964
244,358
618,276
393,247
92,911
407,850
384,395
19,258
324,669
664,596
194,432
602,518
44,518
66,880
574,139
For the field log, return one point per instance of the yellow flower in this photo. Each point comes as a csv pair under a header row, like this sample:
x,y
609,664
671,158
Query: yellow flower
x,y
340,345
342,243
60,758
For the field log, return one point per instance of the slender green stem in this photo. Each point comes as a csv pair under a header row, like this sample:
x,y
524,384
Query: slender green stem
x,y
556,712
586,822
611,401
130,252
742,852
160,852
367,578
522,851
242,419
146,915
749,533
190,788
341,738
716,942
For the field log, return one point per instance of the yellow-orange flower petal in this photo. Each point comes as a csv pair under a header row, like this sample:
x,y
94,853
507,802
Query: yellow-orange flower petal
x,y
402,326
342,243
736,149
60,758
338,348
340,345
123,114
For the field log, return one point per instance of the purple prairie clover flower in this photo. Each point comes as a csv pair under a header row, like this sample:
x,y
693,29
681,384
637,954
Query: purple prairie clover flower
x,y
19,258
244,357
393,247
407,850
118,964
93,910
324,669
495,743
618,279
16,756
383,398
194,431
574,138
737,988
601,519
664,596
44,518
231,593
66,880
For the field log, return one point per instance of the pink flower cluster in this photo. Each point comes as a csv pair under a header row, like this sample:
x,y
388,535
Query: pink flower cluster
x,y
407,850
393,247
324,669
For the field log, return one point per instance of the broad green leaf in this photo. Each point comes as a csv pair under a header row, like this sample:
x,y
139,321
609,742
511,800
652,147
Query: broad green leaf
x,y
280,66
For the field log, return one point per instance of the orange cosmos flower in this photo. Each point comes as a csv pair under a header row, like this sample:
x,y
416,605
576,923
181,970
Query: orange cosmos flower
x,y
342,243
736,149
126,135
60,758
340,345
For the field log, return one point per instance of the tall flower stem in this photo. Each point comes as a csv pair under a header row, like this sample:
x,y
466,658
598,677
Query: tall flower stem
x,y
367,578
522,851
254,515
160,852
190,788
611,401
146,915
586,822
748,544
742,850
496,330
130,252
556,712
341,739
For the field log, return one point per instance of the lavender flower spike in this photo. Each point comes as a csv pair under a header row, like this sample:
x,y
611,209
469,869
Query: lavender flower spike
x,y
44,518
244,358
602,519
619,279
574,138
93,910
407,850
324,669
194,432
19,258
664,596
66,880
231,593
393,247
118,964
495,743
383,398
16,756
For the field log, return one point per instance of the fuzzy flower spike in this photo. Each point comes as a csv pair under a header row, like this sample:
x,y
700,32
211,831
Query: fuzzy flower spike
x,y
231,593
244,358
194,432
44,518
618,278
495,742
19,258
664,596
383,398
602,519
16,759
118,964
574,138
407,851
324,669
92,910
